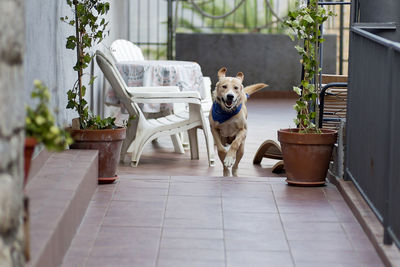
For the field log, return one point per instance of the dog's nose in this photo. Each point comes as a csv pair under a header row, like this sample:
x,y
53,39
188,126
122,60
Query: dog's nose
x,y
230,97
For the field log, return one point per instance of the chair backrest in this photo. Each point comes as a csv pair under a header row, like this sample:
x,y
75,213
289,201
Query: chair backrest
x,y
123,50
335,102
117,82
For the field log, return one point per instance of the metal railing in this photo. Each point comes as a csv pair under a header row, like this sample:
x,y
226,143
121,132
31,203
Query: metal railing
x,y
373,126
153,23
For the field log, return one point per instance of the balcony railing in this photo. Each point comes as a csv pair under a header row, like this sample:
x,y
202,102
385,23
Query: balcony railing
x,y
373,126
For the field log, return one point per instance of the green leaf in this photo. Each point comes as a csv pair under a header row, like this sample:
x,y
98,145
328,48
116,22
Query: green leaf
x,y
80,8
297,90
71,42
300,50
92,80
83,94
87,58
71,104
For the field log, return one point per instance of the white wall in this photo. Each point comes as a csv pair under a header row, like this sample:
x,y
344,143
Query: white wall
x,y
46,57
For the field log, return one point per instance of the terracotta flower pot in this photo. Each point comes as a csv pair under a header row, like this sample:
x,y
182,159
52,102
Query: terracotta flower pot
x,y
108,142
30,144
306,156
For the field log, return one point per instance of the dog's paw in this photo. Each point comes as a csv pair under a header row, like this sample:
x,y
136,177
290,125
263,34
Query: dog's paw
x,y
229,160
235,172
227,173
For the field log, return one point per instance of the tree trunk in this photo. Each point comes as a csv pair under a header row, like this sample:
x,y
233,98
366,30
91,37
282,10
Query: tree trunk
x,y
12,122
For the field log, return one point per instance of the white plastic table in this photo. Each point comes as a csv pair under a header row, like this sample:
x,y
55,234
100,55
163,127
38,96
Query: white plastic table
x,y
184,74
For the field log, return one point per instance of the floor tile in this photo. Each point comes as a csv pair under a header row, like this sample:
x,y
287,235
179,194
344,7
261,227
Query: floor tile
x,y
328,245
263,204
197,243
193,233
349,258
128,243
191,263
273,240
210,188
135,213
252,222
259,258
195,254
202,222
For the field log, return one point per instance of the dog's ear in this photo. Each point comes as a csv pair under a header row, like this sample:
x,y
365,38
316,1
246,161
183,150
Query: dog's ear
x,y
240,76
221,72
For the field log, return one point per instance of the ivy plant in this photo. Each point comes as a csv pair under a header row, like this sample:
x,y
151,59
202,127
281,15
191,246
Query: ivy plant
x,y
40,122
304,24
90,29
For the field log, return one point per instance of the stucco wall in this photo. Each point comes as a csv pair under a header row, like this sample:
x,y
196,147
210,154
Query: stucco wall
x,y
268,58
47,58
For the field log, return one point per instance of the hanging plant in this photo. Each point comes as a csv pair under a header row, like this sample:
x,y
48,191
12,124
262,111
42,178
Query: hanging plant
x,y
90,29
304,24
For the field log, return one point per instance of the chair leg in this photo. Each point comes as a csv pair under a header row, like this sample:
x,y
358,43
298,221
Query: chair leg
x,y
210,145
194,146
176,140
137,145
185,139
130,136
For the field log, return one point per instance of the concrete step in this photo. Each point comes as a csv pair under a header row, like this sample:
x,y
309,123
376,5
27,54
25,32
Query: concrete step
x,y
59,190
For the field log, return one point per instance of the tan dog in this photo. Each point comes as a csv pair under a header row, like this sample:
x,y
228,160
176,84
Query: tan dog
x,y
228,118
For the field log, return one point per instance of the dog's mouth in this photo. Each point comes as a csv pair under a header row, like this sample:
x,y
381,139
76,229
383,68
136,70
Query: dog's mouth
x,y
229,103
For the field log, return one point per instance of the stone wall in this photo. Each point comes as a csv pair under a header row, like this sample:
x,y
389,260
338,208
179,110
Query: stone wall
x,y
12,114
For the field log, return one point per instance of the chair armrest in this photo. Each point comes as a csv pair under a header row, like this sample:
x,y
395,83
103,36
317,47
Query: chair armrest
x,y
144,89
322,98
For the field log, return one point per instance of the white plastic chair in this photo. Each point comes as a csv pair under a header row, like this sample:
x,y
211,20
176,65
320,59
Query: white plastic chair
x,y
123,50
142,131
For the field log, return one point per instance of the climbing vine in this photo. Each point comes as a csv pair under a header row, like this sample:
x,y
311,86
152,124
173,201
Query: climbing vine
x,y
304,23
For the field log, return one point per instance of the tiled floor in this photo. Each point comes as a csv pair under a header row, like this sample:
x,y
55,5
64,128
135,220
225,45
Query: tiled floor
x,y
214,221
171,211
265,117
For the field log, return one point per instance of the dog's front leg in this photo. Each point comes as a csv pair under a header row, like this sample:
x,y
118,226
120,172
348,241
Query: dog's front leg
x,y
230,157
239,156
217,140
221,150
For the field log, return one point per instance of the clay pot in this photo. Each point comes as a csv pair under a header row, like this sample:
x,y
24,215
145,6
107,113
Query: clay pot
x,y
306,156
30,144
108,142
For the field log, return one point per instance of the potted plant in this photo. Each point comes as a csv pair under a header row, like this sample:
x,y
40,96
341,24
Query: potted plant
x,y
41,128
90,131
307,150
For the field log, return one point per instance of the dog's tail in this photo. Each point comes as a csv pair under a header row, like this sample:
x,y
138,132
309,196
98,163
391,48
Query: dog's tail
x,y
251,89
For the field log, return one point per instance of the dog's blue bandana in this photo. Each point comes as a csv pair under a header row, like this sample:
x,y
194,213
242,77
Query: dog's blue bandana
x,y
221,115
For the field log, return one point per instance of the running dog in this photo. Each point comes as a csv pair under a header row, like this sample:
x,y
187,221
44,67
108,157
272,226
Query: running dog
x,y
228,118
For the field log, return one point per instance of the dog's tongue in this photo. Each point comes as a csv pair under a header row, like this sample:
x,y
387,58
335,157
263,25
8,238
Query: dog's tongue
x,y
229,102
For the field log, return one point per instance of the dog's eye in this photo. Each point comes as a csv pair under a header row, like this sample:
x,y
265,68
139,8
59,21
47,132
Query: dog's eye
x,y
236,87
224,86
